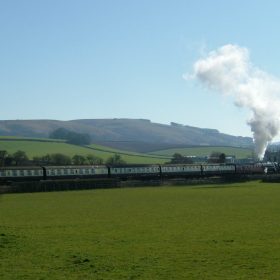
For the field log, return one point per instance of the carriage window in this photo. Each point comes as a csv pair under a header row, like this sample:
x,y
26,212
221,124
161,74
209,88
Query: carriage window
x,y
14,172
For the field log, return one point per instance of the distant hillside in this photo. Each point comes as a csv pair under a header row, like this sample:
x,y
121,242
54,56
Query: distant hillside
x,y
130,134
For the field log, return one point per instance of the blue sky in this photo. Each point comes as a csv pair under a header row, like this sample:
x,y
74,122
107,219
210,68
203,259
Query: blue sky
x,y
68,59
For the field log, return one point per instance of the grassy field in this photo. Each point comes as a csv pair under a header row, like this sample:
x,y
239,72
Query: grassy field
x,y
203,232
206,151
40,148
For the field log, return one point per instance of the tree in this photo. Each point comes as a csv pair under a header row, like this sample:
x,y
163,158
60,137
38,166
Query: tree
x,y
115,160
94,160
46,159
42,160
9,160
3,156
60,159
20,157
37,160
78,138
78,160
217,157
178,158
60,133
70,136
222,158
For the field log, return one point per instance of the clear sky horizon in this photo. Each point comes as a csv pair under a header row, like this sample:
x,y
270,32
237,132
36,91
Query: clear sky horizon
x,y
82,59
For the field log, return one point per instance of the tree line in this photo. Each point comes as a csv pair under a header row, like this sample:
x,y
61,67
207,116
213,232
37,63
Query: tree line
x,y
19,158
214,157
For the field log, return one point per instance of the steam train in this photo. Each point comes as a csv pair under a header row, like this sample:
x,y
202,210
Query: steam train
x,y
125,172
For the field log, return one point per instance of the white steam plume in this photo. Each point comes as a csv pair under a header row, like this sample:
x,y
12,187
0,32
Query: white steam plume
x,y
228,70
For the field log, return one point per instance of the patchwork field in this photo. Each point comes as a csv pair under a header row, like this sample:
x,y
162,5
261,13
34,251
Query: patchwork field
x,y
195,232
40,147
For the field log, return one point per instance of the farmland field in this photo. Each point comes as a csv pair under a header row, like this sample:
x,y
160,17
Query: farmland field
x,y
42,147
206,151
195,232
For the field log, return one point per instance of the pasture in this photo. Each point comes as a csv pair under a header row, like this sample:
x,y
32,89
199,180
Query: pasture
x,y
187,232
206,151
37,147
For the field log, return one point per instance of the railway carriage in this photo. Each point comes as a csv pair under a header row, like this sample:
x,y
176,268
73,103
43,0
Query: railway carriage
x,y
218,169
21,173
175,170
135,171
86,171
125,172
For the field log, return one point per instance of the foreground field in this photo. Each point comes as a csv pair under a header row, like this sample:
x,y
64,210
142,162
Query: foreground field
x,y
209,232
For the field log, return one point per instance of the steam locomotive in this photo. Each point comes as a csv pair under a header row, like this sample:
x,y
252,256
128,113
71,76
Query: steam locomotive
x,y
124,172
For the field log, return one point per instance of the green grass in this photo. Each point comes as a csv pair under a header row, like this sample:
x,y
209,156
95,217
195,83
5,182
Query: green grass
x,y
33,148
210,232
206,151
39,148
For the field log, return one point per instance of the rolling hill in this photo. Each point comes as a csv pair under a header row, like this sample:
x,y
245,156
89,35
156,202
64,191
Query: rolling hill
x,y
138,135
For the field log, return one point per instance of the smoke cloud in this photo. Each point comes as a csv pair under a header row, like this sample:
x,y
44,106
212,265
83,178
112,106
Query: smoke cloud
x,y
228,70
